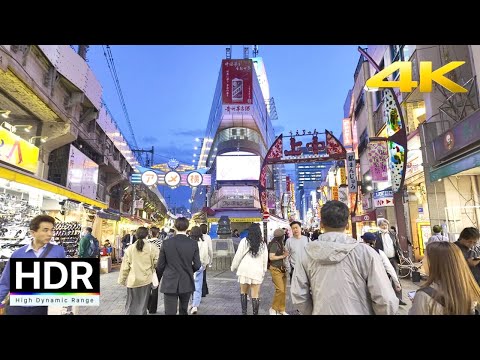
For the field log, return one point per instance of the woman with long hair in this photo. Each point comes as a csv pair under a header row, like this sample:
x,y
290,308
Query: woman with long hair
x,y
451,288
136,273
251,261
197,235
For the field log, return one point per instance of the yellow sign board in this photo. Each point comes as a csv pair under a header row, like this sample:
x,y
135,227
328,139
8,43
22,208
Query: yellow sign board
x,y
236,220
18,152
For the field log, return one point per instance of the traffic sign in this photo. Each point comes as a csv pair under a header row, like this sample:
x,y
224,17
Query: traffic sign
x,y
266,215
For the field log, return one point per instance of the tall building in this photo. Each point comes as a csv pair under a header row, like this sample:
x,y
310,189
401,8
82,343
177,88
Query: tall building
x,y
309,177
238,135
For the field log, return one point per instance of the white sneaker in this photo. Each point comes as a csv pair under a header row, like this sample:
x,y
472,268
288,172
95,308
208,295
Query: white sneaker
x,y
194,310
283,313
272,312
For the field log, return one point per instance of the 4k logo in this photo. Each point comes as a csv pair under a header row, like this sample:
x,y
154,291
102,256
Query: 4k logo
x,y
405,82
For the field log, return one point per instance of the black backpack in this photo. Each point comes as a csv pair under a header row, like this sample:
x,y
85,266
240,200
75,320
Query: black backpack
x,y
94,248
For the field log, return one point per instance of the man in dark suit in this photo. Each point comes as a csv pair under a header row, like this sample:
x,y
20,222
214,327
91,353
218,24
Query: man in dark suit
x,y
387,241
179,259
128,240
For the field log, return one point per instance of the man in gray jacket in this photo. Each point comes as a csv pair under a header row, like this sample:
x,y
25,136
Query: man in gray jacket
x,y
336,275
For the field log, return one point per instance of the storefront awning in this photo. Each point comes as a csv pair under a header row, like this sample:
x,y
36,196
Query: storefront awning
x,y
26,179
237,216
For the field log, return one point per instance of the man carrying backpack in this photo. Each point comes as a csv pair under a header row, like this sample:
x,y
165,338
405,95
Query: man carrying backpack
x,y
88,246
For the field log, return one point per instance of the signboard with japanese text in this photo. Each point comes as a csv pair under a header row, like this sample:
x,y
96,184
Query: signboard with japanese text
x,y
347,132
237,109
383,198
82,175
377,153
194,179
237,81
16,151
351,173
172,178
149,178
236,203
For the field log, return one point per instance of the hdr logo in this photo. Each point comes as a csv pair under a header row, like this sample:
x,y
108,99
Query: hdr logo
x,y
427,77
54,282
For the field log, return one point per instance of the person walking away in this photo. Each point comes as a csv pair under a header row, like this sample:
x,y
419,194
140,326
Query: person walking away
x,y
41,229
387,241
277,255
451,288
179,260
337,275
196,234
294,246
250,262
136,273
87,244
467,241
153,298
370,239
437,235
208,240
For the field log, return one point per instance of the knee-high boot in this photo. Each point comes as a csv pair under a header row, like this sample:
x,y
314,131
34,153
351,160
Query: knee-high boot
x,y
243,300
255,305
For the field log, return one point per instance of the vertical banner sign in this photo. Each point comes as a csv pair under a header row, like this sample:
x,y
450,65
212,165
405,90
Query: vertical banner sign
x,y
377,154
237,86
351,173
347,132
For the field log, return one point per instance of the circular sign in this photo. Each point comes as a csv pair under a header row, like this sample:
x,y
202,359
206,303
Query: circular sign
x,y
266,215
173,164
172,178
194,179
149,178
449,140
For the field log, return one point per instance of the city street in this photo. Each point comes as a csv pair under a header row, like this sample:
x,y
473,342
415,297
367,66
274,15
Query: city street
x,y
224,297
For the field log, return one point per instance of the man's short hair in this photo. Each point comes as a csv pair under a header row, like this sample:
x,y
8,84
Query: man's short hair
x,y
182,224
334,214
437,229
35,223
469,233
155,230
296,223
204,228
89,229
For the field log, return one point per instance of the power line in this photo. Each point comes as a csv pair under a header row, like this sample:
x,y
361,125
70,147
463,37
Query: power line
x,y
113,72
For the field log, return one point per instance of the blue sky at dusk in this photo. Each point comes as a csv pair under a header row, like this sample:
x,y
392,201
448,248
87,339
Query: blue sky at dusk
x,y
168,91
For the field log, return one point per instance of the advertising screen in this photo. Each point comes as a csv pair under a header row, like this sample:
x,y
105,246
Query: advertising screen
x,y
238,167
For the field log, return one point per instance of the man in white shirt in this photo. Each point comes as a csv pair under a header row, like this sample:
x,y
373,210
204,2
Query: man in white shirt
x,y
294,246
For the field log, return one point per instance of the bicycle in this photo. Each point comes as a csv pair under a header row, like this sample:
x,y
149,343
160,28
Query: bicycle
x,y
406,266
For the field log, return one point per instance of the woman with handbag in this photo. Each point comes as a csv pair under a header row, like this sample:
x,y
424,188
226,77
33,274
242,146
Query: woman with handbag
x,y
276,255
136,273
250,261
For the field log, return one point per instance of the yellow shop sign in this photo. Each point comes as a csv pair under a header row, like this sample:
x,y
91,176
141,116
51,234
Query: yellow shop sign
x,y
16,151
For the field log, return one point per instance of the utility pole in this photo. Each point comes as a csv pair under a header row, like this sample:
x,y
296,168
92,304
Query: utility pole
x,y
133,199
149,162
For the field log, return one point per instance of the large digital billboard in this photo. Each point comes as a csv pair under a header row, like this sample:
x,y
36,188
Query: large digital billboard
x,y
231,167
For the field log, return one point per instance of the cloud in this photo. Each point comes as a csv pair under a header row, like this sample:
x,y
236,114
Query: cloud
x,y
150,139
164,152
192,132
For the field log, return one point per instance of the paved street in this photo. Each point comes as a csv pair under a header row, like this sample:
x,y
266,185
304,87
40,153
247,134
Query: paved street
x,y
224,297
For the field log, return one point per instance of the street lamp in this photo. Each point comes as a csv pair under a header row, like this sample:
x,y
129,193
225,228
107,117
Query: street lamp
x,y
43,139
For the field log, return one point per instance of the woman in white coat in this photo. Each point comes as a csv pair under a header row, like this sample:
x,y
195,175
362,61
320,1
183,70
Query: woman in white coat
x,y
251,261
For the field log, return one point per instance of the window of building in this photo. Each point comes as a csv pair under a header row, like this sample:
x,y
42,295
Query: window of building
x,y
416,114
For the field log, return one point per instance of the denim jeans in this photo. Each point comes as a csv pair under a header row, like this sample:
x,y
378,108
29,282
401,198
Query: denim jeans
x,y
197,295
